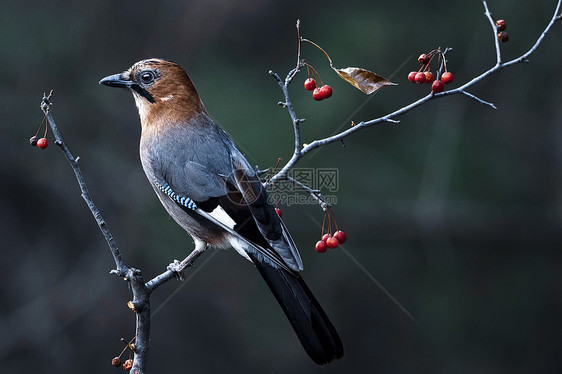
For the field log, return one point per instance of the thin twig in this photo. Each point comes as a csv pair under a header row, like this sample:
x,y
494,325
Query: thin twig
x,y
478,99
495,31
300,151
314,193
141,293
524,58
45,107
287,104
141,290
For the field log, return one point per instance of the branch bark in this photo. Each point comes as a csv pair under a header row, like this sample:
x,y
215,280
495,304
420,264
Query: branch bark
x,y
302,150
142,291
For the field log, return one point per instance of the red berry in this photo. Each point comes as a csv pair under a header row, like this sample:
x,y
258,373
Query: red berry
x,y
503,37
128,364
317,95
423,59
340,235
332,242
412,76
321,246
116,361
428,77
447,77
326,91
420,77
501,25
325,237
437,86
310,84
279,212
42,143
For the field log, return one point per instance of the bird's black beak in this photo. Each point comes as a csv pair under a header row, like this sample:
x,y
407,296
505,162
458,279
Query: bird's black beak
x,y
116,80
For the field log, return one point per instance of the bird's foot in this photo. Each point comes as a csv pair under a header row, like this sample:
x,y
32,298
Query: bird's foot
x,y
178,267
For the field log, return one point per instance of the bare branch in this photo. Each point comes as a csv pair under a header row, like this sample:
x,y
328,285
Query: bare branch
x,y
495,31
478,99
314,193
524,58
300,150
46,108
141,291
287,104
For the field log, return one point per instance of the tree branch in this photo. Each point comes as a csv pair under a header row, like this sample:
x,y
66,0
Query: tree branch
x,y
314,193
46,108
301,150
141,291
495,32
478,99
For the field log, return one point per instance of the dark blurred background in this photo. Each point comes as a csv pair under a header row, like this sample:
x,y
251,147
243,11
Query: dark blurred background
x,y
456,211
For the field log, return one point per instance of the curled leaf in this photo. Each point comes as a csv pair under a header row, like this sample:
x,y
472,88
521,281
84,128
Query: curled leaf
x,y
362,79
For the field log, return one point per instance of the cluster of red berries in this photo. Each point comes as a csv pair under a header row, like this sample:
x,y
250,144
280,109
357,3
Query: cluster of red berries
x,y
500,26
35,141
328,240
424,74
318,93
39,142
128,364
116,361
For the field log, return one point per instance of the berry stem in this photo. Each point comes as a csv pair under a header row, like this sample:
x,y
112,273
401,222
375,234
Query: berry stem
x,y
323,224
314,73
279,159
334,217
329,210
445,63
41,125
433,54
320,48
127,345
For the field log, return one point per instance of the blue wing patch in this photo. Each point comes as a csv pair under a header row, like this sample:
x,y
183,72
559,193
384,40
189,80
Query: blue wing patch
x,y
182,200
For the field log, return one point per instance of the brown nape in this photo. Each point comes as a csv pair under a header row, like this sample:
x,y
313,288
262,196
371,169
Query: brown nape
x,y
175,98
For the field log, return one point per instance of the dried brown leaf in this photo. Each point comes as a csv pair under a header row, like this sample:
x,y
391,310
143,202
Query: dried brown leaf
x,y
362,79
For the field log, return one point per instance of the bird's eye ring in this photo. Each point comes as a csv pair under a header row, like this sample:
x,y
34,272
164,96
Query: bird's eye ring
x,y
147,77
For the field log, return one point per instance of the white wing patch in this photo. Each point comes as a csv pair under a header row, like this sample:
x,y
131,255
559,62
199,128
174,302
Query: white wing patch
x,y
220,215
166,98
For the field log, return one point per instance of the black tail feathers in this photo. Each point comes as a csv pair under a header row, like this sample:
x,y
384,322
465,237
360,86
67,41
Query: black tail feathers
x,y
315,331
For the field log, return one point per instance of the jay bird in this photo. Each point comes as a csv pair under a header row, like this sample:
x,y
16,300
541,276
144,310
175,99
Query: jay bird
x,y
209,188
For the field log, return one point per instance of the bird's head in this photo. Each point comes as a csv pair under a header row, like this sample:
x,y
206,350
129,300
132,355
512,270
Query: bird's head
x,y
162,90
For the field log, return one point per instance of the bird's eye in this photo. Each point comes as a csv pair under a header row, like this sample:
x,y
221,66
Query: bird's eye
x,y
147,77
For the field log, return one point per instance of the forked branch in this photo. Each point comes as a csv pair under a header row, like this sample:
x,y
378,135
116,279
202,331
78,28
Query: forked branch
x,y
301,150
142,291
